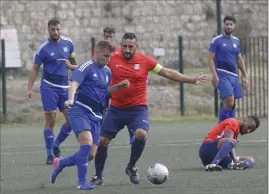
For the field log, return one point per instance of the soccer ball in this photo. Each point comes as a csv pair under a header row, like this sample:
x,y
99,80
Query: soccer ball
x,y
157,174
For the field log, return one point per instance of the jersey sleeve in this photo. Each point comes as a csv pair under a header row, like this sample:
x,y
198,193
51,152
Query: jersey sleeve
x,y
72,51
79,74
232,125
239,48
38,59
153,65
213,46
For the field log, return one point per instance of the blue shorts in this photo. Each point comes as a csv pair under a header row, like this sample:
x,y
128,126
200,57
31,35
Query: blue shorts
x,y
53,98
81,119
117,118
229,85
209,150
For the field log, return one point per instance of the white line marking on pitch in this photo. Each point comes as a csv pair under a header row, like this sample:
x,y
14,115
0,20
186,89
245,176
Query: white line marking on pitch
x,y
123,144
128,146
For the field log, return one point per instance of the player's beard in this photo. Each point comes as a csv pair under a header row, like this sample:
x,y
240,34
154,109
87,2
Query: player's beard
x,y
55,37
228,32
127,55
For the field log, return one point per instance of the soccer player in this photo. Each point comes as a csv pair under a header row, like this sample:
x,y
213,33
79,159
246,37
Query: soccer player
x,y
224,55
109,35
128,106
54,84
89,87
217,150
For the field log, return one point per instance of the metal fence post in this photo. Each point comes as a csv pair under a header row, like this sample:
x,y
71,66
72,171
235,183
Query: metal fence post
x,y
93,42
181,70
3,71
216,95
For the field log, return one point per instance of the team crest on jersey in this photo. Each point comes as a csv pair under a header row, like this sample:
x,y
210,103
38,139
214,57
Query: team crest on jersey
x,y
234,45
65,49
136,66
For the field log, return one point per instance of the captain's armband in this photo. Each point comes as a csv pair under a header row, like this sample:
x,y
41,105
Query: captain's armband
x,y
72,55
157,68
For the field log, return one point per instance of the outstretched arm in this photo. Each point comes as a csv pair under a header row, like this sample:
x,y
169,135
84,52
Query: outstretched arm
x,y
179,77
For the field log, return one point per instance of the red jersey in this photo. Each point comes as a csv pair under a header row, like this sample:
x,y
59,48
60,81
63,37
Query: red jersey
x,y
136,71
118,49
218,131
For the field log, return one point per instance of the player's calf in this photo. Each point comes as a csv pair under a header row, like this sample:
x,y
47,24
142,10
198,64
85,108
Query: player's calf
x,y
85,140
137,148
100,160
49,135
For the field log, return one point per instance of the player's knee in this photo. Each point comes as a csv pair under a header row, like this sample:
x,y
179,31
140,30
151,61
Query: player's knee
x,y
85,138
50,118
233,141
104,142
141,134
229,103
223,140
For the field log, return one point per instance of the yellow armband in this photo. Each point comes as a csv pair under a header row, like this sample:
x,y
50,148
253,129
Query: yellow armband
x,y
157,68
72,55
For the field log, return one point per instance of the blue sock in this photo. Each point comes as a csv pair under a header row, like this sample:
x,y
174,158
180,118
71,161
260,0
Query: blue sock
x,y
64,133
49,138
100,160
82,163
249,163
136,151
70,160
223,114
223,152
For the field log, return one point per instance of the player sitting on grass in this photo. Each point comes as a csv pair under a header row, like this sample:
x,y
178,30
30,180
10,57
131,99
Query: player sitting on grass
x,y
217,150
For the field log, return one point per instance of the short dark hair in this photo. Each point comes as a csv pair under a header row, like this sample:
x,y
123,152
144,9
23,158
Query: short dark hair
x,y
53,22
129,35
104,44
230,18
109,30
256,120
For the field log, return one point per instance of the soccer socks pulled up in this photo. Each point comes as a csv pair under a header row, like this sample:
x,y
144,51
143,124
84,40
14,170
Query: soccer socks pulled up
x,y
63,134
136,151
223,152
100,160
82,162
49,139
70,160
226,113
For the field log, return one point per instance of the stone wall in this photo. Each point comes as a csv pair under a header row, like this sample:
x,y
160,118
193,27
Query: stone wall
x,y
156,23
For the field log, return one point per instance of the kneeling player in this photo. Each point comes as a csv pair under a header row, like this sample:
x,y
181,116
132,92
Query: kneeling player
x,y
217,150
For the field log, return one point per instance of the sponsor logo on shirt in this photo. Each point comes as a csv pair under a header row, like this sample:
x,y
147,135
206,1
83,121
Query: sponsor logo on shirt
x,y
136,66
65,49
